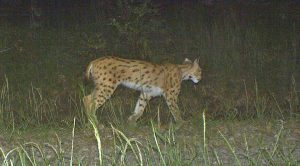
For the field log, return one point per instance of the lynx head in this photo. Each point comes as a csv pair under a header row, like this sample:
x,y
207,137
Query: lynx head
x,y
192,70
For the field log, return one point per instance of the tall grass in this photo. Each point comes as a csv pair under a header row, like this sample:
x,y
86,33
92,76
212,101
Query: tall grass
x,y
4,101
162,148
35,108
96,132
250,68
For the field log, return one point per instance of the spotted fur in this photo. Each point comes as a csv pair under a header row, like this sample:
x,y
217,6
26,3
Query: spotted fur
x,y
150,79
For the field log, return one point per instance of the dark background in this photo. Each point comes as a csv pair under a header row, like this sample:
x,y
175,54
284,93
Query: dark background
x,y
248,50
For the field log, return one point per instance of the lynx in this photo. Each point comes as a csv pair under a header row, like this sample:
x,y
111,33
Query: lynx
x,y
150,79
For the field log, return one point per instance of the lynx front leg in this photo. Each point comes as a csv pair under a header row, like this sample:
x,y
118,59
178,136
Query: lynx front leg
x,y
173,107
139,108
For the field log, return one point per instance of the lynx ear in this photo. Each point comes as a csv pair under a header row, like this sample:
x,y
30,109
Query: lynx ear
x,y
196,61
187,61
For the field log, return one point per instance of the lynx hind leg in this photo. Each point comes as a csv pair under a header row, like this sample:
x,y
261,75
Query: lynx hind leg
x,y
139,108
95,100
89,106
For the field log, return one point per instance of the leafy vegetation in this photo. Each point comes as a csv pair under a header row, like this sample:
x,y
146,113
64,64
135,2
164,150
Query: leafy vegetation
x,y
249,56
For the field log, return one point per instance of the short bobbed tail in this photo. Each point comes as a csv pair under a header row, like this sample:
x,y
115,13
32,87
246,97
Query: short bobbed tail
x,y
88,72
